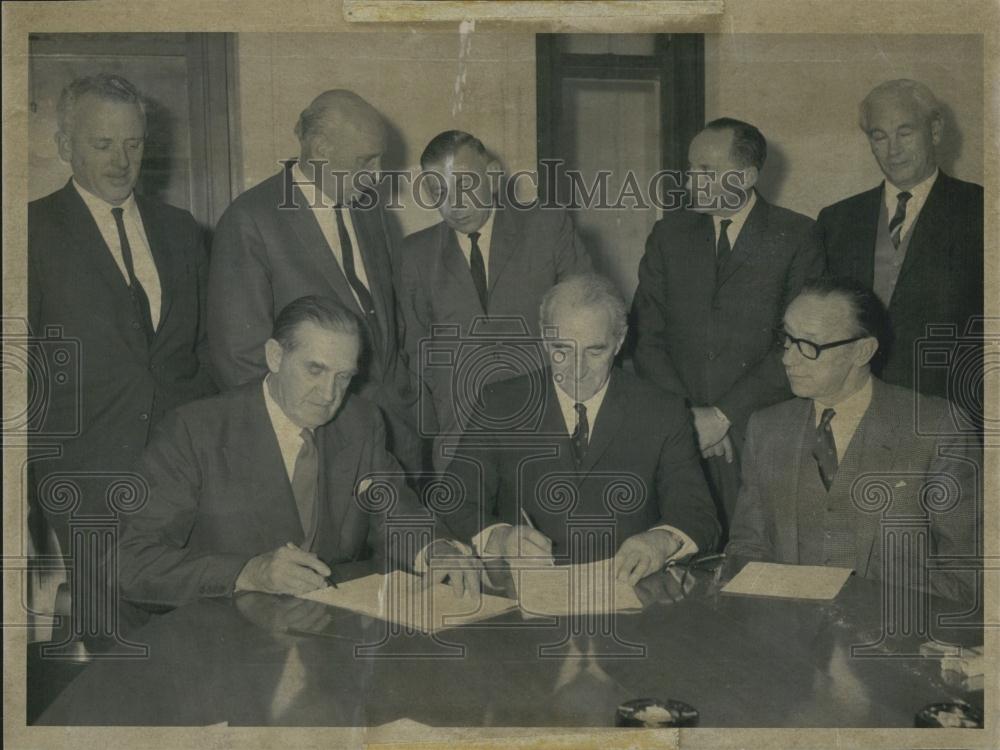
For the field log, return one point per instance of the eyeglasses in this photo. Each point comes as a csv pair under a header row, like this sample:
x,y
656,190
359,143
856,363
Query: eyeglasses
x,y
808,349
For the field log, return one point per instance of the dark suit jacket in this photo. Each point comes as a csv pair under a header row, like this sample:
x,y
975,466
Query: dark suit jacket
x,y
220,495
711,338
640,470
941,281
265,256
117,385
530,251
886,451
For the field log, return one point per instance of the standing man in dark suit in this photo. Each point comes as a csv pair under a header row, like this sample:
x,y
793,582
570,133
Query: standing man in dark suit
x,y
483,269
827,474
917,239
124,276
583,461
713,284
264,487
315,228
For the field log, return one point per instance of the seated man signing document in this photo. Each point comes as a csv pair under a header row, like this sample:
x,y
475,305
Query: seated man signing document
x,y
264,487
583,462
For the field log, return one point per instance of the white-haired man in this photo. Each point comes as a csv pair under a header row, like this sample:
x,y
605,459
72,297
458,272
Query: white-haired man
x,y
916,239
315,228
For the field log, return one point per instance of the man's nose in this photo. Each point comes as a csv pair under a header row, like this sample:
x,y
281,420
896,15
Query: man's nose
x,y
329,389
790,354
120,157
895,146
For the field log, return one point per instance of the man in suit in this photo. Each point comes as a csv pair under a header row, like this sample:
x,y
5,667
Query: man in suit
x,y
713,284
582,461
316,227
266,486
917,239
123,277
482,270
828,474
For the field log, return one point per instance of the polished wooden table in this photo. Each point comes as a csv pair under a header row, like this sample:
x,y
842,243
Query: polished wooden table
x,y
741,661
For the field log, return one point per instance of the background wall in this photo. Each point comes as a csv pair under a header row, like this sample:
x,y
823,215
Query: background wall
x,y
423,84
803,90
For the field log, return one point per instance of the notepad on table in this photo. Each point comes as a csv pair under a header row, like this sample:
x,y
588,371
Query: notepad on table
x,y
581,589
407,600
788,581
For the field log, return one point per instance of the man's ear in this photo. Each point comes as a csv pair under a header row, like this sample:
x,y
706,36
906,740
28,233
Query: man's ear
x,y
273,353
937,129
494,168
750,177
621,340
866,350
64,146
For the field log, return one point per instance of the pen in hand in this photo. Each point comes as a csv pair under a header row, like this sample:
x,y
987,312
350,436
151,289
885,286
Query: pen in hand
x,y
330,580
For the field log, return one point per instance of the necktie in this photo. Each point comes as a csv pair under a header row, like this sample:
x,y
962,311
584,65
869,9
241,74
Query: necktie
x,y
581,435
825,449
478,267
722,247
140,302
305,478
896,224
350,271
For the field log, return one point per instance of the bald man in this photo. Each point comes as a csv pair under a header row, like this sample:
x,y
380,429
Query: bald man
x,y
321,231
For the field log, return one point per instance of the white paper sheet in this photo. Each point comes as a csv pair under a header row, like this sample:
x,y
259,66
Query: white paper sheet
x,y
788,581
589,588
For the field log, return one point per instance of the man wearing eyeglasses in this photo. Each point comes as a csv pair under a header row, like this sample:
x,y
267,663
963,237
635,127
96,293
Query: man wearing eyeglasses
x,y
839,475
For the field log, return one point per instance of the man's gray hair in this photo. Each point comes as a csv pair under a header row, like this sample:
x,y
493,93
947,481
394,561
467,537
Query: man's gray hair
x,y
585,290
903,88
107,86
331,110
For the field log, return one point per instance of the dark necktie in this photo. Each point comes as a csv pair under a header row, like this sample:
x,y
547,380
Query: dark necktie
x,y
350,270
140,302
896,224
478,267
581,435
722,247
825,449
305,478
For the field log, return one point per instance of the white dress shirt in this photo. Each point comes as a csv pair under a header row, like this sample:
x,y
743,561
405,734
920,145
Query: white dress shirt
x,y
918,197
847,416
142,258
738,219
485,238
593,406
288,433
324,214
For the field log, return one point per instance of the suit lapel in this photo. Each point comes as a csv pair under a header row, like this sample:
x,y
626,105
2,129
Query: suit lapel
x,y
317,250
81,225
503,244
929,235
455,264
871,453
747,242
865,234
374,253
157,236
608,424
256,460
789,460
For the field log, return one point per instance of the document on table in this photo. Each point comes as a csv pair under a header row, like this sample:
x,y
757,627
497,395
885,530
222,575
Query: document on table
x,y
788,581
407,600
582,589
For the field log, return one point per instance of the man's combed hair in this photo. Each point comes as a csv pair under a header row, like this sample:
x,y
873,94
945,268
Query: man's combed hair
x,y
901,88
585,290
446,144
749,147
107,86
323,311
870,315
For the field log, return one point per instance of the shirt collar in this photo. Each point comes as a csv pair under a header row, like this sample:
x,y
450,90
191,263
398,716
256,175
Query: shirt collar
x,y
739,218
284,427
592,404
857,403
98,206
918,193
309,190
